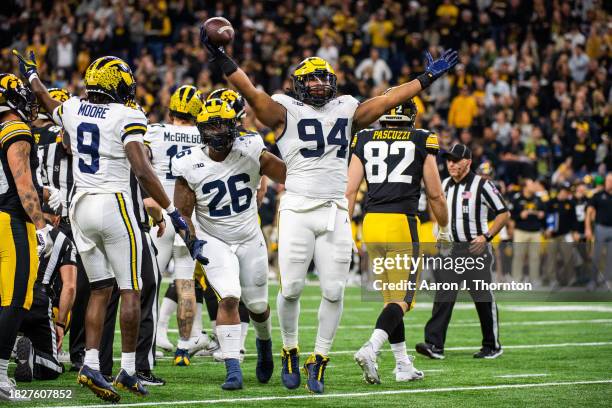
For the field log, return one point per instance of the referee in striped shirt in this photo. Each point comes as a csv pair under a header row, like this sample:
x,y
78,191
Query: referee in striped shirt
x,y
469,199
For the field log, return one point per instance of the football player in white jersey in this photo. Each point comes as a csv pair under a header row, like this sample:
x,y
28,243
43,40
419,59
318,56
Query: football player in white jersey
x,y
165,140
313,128
220,181
106,139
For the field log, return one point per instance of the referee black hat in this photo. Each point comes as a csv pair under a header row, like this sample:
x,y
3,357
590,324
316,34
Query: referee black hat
x,y
457,152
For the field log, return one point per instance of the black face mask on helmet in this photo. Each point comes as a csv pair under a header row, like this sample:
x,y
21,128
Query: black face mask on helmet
x,y
326,87
218,134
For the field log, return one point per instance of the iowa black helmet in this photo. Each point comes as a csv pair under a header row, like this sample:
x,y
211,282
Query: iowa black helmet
x,y
402,115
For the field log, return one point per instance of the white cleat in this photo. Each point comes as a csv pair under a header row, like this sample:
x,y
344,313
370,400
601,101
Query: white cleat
x,y
197,343
405,371
63,357
213,345
161,341
366,358
159,354
8,390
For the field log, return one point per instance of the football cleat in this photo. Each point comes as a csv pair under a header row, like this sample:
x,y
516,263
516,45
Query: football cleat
x,y
430,351
94,380
148,378
197,343
265,361
181,357
314,368
489,353
161,341
210,349
405,371
24,371
7,390
130,383
233,378
290,373
366,358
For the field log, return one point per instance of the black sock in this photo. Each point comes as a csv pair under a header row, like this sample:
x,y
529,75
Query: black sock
x,y
212,304
390,317
244,313
199,293
10,322
171,293
398,335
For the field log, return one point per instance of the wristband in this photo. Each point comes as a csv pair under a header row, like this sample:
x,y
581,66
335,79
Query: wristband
x,y
443,229
160,221
488,236
227,65
171,208
62,325
425,79
32,76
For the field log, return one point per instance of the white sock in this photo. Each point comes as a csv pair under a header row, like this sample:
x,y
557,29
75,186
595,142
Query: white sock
x,y
183,344
399,352
128,362
263,330
229,340
213,326
378,338
196,328
329,319
244,330
288,315
3,368
166,310
92,359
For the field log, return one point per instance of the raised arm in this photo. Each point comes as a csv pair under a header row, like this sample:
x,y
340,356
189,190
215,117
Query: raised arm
x,y
29,69
270,113
373,108
273,167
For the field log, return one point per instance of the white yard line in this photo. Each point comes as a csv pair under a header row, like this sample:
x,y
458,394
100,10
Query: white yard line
x,y
465,324
520,375
355,394
476,347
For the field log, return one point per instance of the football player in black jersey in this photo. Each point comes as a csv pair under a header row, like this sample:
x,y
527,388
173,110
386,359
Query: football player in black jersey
x,y
393,160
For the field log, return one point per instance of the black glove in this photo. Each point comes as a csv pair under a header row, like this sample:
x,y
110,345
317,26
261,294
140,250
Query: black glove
x,y
217,55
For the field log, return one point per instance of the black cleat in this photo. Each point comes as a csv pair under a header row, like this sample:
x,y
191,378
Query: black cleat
x,y
25,360
489,353
148,378
265,360
94,380
130,383
430,351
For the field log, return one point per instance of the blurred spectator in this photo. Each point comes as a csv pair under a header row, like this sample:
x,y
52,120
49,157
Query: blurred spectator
x,y
527,215
380,29
463,109
374,68
559,223
496,90
579,64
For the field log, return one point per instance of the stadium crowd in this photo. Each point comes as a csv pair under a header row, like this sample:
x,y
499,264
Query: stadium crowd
x,y
531,95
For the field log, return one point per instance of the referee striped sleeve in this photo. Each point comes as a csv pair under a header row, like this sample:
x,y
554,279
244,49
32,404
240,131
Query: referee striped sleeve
x,y
493,198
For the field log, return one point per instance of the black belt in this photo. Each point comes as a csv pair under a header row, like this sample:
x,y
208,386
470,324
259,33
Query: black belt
x,y
145,227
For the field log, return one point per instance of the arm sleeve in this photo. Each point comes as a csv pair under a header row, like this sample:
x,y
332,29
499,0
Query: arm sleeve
x,y
134,126
493,198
